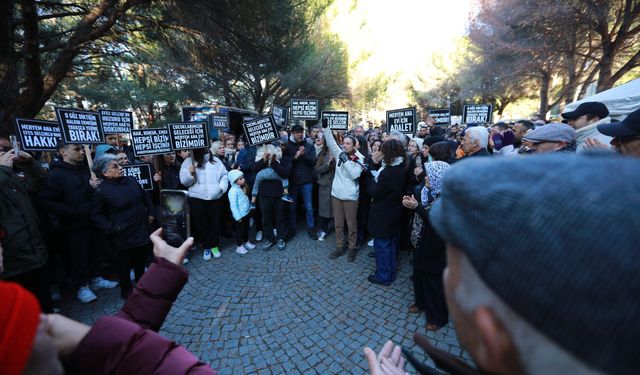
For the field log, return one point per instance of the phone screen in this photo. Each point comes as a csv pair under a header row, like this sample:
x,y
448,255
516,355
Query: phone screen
x,y
14,144
175,216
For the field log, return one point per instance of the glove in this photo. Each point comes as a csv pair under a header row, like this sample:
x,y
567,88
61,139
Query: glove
x,y
342,158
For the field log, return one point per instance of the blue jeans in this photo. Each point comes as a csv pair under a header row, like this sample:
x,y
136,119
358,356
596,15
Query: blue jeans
x,y
385,249
307,192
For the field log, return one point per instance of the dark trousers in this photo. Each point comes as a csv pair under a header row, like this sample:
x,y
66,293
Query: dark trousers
x,y
272,216
385,250
241,230
84,259
205,219
134,257
37,282
257,213
363,218
430,297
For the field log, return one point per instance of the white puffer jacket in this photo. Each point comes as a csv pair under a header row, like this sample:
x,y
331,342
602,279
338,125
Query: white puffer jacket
x,y
210,182
345,184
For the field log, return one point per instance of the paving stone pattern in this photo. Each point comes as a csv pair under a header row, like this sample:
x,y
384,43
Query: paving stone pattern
x,y
286,312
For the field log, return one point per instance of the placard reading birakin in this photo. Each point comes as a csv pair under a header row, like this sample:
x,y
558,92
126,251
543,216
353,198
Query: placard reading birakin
x,y
304,109
261,130
442,116
477,114
116,122
150,141
38,135
338,120
80,127
280,115
188,135
402,120
141,173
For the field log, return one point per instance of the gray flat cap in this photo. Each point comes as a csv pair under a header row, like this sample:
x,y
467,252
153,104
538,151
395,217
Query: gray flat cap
x,y
553,132
557,238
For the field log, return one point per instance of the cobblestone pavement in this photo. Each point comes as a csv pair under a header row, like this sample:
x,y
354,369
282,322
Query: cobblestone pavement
x,y
286,312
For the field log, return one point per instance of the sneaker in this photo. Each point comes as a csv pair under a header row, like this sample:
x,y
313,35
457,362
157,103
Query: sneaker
x,y
98,283
370,243
267,245
185,261
259,236
281,244
216,252
287,198
249,245
206,255
321,236
85,295
241,250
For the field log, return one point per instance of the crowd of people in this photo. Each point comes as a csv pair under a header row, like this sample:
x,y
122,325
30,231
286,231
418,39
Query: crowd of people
x,y
468,203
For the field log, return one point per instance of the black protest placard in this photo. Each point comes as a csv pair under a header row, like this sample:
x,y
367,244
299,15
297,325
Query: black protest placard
x,y
477,114
261,130
305,109
220,121
150,141
188,135
402,120
337,120
116,122
79,126
38,135
141,173
441,116
280,115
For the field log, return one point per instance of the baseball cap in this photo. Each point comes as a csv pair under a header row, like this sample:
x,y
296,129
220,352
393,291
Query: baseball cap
x,y
629,127
553,132
588,108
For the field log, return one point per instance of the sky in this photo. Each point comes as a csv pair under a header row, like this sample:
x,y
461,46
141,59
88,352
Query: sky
x,y
397,36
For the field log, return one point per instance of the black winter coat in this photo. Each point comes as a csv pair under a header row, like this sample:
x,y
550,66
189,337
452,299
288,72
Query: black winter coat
x,y
302,168
67,195
386,202
22,243
121,209
431,253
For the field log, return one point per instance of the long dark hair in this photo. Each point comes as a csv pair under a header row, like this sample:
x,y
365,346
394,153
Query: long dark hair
x,y
391,149
364,146
198,156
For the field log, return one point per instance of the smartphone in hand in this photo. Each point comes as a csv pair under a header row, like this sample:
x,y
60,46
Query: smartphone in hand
x,y
15,145
176,225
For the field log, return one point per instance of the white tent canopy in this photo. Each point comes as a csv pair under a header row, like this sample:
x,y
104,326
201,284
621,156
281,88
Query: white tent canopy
x,y
620,100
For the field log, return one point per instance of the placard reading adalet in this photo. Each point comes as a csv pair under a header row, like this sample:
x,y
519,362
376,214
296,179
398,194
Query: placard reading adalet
x,y
79,126
188,135
116,122
141,173
402,120
338,120
477,114
153,141
304,109
38,135
442,116
261,130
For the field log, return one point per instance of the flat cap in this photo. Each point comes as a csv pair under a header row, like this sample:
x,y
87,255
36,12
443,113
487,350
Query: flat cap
x,y
553,132
556,237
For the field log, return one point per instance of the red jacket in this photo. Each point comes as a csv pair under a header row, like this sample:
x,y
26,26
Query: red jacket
x,y
128,343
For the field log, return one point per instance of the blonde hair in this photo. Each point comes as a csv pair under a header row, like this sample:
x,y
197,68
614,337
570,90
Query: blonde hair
x,y
215,146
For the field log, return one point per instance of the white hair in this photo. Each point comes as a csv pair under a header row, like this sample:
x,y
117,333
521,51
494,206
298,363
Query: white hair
x,y
480,134
538,354
400,136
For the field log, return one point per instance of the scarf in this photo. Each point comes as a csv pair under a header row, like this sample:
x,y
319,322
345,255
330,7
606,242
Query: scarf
x,y
435,171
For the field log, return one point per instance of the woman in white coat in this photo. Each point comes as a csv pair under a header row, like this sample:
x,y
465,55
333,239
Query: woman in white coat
x,y
345,191
205,176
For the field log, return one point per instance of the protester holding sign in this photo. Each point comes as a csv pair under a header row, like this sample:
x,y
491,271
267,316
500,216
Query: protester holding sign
x,y
345,191
67,195
206,178
123,211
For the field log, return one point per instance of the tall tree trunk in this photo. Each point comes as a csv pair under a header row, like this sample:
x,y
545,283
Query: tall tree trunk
x,y
545,81
606,67
8,68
